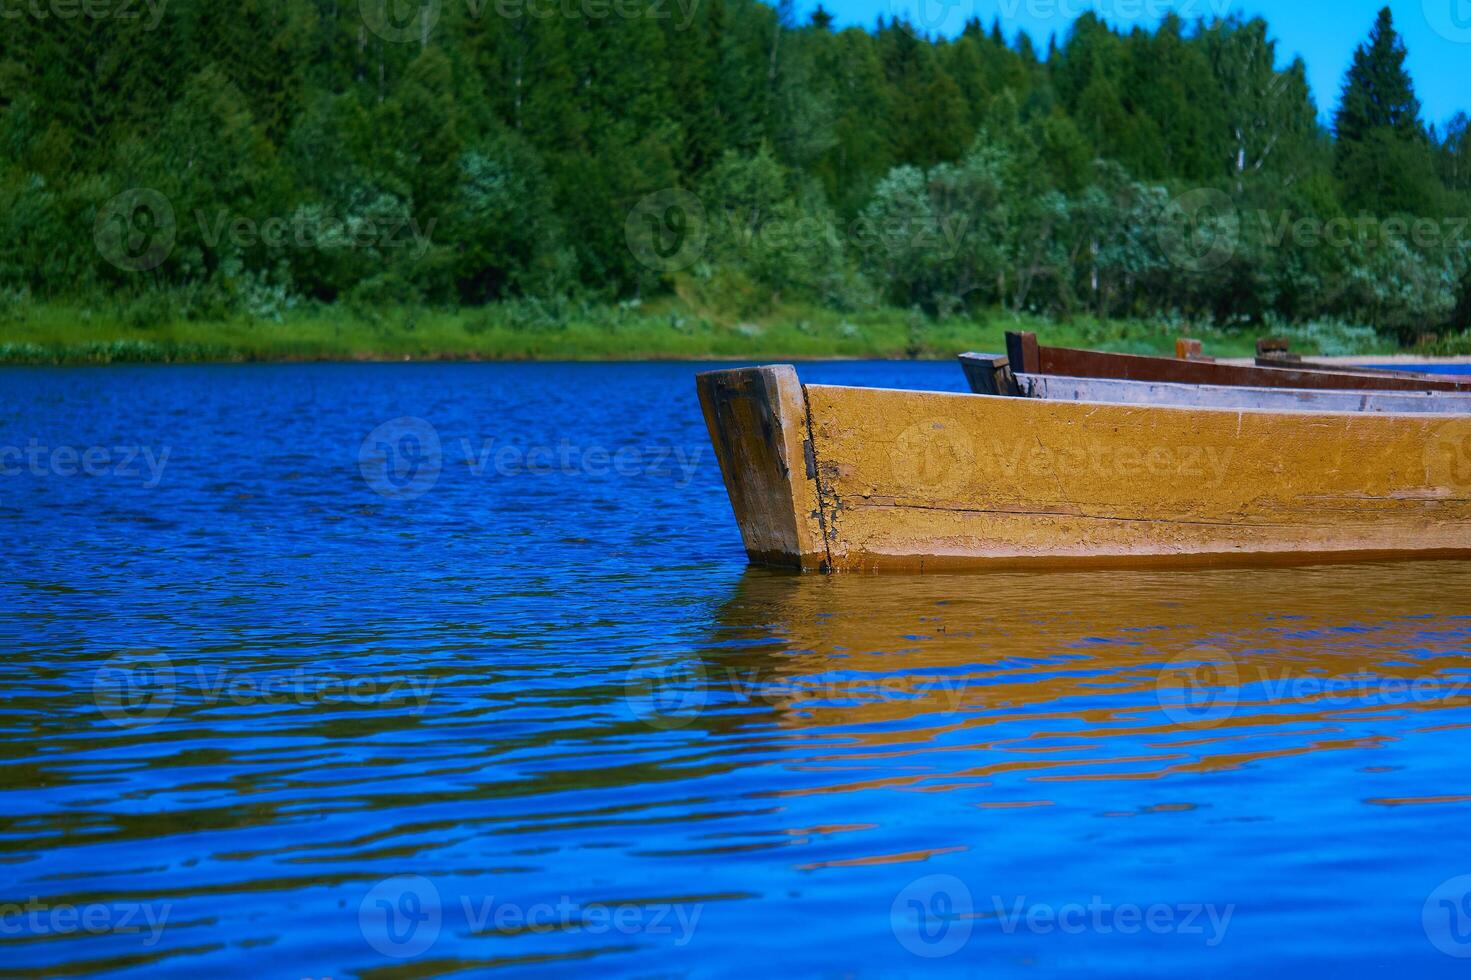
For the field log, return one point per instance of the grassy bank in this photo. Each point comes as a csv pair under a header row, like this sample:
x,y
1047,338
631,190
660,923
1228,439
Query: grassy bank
x,y
665,329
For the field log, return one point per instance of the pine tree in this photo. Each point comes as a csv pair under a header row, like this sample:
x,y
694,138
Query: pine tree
x,y
1378,92
1384,156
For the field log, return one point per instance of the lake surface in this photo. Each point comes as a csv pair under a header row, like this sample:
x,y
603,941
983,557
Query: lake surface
x,y
291,692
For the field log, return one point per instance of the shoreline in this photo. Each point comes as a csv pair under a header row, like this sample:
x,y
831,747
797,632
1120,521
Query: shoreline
x,y
473,357
668,329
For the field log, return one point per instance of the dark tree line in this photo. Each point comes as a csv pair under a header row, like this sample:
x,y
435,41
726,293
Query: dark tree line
x,y
324,151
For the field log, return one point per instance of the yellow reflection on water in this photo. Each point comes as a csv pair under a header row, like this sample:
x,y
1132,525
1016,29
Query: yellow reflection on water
x,y
946,681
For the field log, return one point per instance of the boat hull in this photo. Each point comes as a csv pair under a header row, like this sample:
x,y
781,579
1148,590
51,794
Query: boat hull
x,y
857,479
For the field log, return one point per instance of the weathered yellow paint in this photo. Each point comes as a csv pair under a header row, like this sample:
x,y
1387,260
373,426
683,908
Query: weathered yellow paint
x,y
927,481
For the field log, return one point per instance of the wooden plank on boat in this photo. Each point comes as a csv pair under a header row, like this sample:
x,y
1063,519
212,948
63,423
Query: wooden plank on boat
x,y
1276,347
1297,362
1073,363
1189,349
914,480
1023,352
1240,397
1273,352
989,374
757,419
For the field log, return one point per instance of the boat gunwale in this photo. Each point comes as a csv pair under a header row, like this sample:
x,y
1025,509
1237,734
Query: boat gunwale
x,y
1431,396
1025,355
1188,409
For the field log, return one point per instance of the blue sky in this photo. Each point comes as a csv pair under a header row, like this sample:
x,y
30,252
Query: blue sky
x,y
1323,32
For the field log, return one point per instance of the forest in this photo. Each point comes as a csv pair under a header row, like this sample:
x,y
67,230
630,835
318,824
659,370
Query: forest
x,y
264,162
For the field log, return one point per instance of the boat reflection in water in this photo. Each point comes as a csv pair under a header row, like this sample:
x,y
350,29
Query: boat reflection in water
x,y
1047,677
1003,770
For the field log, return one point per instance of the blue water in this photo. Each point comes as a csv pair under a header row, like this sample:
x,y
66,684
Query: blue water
x,y
290,693
1426,368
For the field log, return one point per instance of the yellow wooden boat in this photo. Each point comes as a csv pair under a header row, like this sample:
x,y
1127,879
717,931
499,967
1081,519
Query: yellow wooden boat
x,y
849,479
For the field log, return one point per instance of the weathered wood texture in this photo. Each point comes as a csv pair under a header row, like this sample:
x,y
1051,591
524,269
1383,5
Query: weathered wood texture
x,y
924,481
1188,349
757,419
1232,396
1300,364
1023,352
1274,352
1277,347
1027,357
989,374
